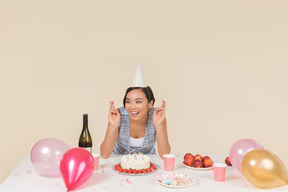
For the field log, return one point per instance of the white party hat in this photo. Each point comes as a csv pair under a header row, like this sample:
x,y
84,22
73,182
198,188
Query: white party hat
x,y
138,80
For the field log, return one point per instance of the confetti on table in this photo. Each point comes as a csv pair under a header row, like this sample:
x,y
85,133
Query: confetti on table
x,y
28,172
129,182
245,186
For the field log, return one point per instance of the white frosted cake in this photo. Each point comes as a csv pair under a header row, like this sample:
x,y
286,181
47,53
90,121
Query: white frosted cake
x,y
135,161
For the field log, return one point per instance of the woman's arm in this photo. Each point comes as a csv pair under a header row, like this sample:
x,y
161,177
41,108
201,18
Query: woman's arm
x,y
109,141
159,120
162,140
111,135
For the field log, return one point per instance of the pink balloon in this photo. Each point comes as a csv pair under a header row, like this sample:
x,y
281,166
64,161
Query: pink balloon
x,y
239,149
76,166
46,155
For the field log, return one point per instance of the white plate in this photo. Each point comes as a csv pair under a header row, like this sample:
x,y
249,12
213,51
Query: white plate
x,y
132,174
192,180
198,169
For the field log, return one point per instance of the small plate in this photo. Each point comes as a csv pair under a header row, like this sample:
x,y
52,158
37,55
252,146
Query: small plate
x,y
137,174
180,178
198,169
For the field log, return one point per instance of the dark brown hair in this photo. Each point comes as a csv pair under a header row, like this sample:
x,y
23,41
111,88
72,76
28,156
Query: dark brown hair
x,y
146,90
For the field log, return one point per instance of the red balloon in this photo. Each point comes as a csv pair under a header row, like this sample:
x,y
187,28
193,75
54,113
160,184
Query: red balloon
x,y
76,166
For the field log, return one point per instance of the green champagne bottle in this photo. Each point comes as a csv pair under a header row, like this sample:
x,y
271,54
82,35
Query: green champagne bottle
x,y
85,140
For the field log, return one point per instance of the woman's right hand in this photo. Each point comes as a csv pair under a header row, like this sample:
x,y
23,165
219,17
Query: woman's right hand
x,y
113,116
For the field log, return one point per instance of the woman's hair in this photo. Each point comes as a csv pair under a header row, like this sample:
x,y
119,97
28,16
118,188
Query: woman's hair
x,y
146,90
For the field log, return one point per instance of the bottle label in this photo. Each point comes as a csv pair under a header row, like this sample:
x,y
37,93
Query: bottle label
x,y
88,149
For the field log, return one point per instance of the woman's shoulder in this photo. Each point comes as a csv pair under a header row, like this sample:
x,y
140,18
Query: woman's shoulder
x,y
151,114
122,111
152,110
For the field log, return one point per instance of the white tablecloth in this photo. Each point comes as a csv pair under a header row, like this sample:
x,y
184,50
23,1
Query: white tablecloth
x,y
25,178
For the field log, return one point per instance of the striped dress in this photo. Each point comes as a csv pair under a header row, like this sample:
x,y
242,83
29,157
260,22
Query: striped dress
x,y
122,145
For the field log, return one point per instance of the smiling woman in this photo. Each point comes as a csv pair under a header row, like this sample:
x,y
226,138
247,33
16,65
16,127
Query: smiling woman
x,y
138,125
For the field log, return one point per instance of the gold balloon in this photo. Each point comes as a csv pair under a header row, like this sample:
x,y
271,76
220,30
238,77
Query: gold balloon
x,y
264,169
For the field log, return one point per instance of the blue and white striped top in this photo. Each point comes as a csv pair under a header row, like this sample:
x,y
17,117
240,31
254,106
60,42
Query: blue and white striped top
x,y
122,145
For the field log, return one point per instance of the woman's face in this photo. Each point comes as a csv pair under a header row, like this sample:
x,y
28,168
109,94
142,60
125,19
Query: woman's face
x,y
137,104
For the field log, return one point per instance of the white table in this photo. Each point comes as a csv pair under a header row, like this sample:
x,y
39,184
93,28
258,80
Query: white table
x,y
25,178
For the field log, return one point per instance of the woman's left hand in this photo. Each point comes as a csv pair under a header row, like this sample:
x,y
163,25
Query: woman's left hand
x,y
159,115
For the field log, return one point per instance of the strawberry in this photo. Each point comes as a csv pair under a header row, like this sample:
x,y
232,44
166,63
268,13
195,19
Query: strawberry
x,y
144,171
134,171
153,166
148,170
129,171
116,167
125,170
120,169
139,171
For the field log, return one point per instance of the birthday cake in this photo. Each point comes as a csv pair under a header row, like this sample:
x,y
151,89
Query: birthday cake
x,y
135,161
135,164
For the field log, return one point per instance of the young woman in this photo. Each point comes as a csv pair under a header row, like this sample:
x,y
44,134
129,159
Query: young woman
x,y
136,126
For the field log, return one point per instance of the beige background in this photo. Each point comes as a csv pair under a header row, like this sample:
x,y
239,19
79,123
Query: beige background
x,y
220,65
